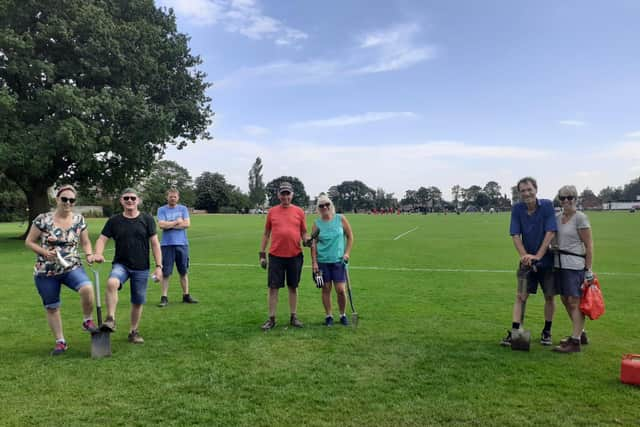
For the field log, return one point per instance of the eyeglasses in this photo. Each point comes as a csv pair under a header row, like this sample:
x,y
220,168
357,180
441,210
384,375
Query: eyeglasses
x,y
325,205
563,198
67,200
127,198
285,193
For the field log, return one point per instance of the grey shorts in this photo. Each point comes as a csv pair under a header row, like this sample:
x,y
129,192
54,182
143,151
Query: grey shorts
x,y
528,281
569,282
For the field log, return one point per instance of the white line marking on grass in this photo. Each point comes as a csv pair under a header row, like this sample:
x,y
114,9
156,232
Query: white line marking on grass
x,y
404,234
411,269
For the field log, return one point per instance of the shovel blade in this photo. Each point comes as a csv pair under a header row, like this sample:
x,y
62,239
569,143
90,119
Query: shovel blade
x,y
100,344
354,319
521,340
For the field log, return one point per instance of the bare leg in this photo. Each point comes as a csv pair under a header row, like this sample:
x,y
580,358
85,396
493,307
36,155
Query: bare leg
x,y
111,298
326,299
273,301
86,296
549,308
577,317
55,322
164,284
184,282
517,307
136,313
293,300
342,297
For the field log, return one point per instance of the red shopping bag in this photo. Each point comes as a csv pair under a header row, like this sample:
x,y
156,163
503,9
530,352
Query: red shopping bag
x,y
591,301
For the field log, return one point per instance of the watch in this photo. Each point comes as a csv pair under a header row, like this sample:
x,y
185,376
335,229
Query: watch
x,y
159,266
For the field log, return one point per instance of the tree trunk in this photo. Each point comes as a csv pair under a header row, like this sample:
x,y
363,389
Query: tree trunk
x,y
37,203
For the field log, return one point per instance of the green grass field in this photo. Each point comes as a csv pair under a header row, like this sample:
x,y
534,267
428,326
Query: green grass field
x,y
433,305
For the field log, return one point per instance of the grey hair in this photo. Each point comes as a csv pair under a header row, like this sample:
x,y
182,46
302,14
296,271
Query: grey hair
x,y
569,190
322,199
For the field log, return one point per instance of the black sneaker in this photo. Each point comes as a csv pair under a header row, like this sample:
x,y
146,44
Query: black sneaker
x,y
506,341
545,338
344,321
328,320
584,340
269,324
187,299
164,301
295,322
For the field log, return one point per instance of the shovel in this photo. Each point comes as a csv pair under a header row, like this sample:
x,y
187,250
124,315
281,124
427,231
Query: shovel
x,y
100,340
354,315
521,338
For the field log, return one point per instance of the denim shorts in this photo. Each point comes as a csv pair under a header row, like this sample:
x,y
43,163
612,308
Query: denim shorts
x,y
49,286
569,282
528,282
333,272
139,281
175,254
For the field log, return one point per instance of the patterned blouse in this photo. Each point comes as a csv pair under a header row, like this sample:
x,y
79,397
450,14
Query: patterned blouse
x,y
65,241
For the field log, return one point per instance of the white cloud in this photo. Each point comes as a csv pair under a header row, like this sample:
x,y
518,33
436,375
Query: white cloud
x,y
238,16
394,49
200,12
622,151
384,51
253,130
575,123
354,120
635,134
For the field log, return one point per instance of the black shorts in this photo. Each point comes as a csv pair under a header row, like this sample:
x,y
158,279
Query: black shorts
x,y
280,267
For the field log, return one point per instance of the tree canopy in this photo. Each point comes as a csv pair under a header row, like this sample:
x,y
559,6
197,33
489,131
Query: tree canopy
x,y
256,184
92,91
300,197
164,175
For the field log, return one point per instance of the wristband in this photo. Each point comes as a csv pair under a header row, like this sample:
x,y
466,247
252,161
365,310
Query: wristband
x,y
159,266
262,254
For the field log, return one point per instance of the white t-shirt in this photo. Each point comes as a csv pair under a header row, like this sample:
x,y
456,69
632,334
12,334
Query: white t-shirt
x,y
569,240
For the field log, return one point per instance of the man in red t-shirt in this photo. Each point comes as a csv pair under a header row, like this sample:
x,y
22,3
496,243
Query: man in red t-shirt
x,y
285,227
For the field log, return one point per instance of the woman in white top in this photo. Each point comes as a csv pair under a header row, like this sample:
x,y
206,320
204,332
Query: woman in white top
x,y
573,261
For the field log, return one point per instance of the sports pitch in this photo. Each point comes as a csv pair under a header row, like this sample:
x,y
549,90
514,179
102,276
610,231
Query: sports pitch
x,y
434,295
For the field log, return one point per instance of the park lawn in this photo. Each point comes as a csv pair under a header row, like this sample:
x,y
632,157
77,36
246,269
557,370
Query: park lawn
x,y
434,295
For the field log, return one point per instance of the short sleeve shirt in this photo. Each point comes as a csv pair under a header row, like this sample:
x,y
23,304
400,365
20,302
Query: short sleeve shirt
x,y
65,241
569,240
173,236
533,227
287,226
131,236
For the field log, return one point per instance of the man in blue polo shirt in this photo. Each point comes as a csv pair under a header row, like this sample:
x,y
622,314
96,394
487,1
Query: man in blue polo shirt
x,y
533,226
173,219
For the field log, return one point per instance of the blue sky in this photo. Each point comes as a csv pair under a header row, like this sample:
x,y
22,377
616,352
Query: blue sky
x,y
401,94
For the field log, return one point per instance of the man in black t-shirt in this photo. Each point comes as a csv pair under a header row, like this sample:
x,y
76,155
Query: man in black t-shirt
x,y
132,231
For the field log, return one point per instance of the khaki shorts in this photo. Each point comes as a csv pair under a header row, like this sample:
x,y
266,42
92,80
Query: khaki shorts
x,y
528,281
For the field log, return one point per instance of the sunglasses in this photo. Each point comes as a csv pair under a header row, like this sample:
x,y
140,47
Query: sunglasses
x,y
127,198
563,198
325,205
67,200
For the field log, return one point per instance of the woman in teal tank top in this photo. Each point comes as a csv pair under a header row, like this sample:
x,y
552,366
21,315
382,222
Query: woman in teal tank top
x,y
330,252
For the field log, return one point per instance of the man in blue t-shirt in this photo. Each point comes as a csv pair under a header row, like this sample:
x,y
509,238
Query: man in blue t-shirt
x,y
173,219
533,226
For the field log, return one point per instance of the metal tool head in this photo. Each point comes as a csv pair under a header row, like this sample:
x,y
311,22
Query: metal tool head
x,y
100,344
520,340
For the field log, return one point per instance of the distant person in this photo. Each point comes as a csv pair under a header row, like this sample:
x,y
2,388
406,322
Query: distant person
x,y
54,237
285,227
173,219
133,231
330,254
574,257
533,226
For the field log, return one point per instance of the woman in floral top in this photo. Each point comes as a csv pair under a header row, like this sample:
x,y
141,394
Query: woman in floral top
x,y
54,237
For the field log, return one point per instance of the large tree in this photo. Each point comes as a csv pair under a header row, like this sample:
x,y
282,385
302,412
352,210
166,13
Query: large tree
x,y
212,192
352,195
164,175
256,184
300,196
92,91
